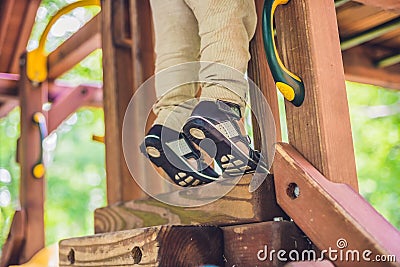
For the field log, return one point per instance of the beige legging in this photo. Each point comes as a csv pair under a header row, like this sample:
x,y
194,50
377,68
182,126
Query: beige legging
x,y
206,30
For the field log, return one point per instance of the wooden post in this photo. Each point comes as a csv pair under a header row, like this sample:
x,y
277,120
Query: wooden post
x,y
29,146
320,129
260,74
128,60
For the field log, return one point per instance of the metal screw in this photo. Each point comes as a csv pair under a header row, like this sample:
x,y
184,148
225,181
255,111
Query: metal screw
x,y
293,190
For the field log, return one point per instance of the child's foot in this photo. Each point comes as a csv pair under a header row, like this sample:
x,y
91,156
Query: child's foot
x,y
175,154
220,122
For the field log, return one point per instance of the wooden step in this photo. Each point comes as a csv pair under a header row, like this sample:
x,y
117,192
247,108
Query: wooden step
x,y
237,207
153,246
238,245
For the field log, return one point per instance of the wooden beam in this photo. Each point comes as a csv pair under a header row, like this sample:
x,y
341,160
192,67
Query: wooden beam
x,y
117,91
370,34
155,246
9,85
126,66
16,32
7,106
5,17
143,59
24,32
65,104
328,212
388,61
320,129
251,244
359,67
29,146
77,47
392,5
238,206
260,73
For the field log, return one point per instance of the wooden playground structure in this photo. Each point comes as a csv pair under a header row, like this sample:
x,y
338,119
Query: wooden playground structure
x,y
314,179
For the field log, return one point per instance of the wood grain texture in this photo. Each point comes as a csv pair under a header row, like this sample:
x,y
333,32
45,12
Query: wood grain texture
x,y
238,206
251,244
320,129
117,91
359,67
260,73
29,147
328,212
155,246
16,19
393,5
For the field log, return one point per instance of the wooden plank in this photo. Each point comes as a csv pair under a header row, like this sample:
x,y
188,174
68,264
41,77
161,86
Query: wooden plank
x,y
252,244
9,85
320,129
370,34
328,212
24,32
260,73
29,145
76,48
117,91
15,31
238,206
356,18
5,16
359,67
143,59
155,246
385,4
66,103
7,106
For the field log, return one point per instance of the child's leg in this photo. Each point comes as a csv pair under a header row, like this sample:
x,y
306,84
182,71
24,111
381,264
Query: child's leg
x,y
177,41
225,28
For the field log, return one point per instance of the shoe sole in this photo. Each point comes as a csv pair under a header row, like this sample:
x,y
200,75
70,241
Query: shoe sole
x,y
229,157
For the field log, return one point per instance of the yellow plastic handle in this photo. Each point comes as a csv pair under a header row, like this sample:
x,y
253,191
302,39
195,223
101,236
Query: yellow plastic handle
x,y
37,59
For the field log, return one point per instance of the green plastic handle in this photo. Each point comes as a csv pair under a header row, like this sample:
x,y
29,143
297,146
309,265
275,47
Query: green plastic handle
x,y
289,84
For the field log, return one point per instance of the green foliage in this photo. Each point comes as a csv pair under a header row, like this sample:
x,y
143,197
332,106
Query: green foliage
x,y
375,119
75,177
75,164
9,171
